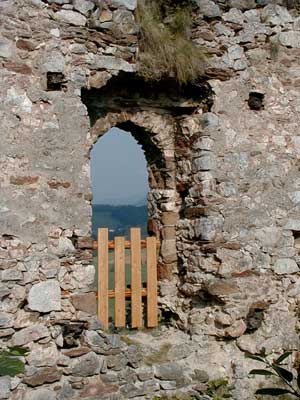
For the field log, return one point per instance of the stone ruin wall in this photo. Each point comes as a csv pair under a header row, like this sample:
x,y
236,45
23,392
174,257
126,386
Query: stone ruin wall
x,y
225,202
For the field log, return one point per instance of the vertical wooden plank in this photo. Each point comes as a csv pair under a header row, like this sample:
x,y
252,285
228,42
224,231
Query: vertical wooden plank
x,y
136,278
120,313
151,282
103,276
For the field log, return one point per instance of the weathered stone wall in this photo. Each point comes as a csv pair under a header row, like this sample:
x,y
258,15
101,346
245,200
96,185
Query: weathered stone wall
x,y
224,196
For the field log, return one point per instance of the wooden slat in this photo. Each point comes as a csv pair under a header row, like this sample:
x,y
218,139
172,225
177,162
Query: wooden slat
x,y
111,243
103,276
151,282
136,278
112,293
120,313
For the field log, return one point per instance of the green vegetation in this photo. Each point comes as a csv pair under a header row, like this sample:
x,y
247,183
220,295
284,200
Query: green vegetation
x,y
119,219
290,380
219,389
166,50
216,390
9,363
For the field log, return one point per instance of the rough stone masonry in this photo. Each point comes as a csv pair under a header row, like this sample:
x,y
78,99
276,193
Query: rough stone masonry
x,y
223,161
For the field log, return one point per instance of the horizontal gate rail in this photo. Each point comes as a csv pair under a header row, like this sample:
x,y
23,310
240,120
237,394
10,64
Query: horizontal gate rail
x,y
127,244
120,292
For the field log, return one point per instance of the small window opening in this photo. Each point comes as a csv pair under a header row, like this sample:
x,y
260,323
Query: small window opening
x,y
256,101
296,235
55,81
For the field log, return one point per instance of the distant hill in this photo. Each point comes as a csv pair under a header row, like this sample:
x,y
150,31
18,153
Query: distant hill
x,y
119,219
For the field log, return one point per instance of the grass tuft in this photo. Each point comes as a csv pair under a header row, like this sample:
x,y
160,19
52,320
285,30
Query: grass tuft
x,y
166,50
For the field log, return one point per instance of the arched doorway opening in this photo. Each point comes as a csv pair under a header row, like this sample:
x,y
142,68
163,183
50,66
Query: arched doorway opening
x,y
166,121
119,184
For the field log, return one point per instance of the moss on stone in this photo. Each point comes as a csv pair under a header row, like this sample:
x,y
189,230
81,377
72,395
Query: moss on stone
x,y
159,356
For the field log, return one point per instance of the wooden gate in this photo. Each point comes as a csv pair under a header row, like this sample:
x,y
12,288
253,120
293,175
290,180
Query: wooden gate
x,y
135,292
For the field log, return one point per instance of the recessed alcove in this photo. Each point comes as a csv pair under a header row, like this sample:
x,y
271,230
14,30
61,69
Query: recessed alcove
x,y
159,116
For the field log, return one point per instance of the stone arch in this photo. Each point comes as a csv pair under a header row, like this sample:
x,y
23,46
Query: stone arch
x,y
156,134
167,121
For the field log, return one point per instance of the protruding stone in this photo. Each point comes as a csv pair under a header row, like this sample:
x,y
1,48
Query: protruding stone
x,y
61,2
93,339
237,329
6,332
234,16
5,387
169,251
77,351
205,162
6,48
4,292
114,63
62,247
53,61
294,196
45,297
285,266
247,343
30,334
222,288
40,394
268,236
71,17
208,8
242,4
99,79
24,319
201,375
97,389
86,302
290,39
6,320
274,14
168,371
170,218
43,375
83,6
125,21
205,228
11,274
86,365
293,224
45,355
129,4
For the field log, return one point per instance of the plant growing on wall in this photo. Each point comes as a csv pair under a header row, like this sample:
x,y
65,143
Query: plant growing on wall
x,y
165,47
290,380
9,361
219,389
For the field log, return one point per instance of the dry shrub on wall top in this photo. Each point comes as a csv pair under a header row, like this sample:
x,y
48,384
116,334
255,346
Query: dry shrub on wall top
x,y
165,48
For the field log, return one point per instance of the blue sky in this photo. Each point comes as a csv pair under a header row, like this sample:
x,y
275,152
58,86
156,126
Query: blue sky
x,y
118,169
